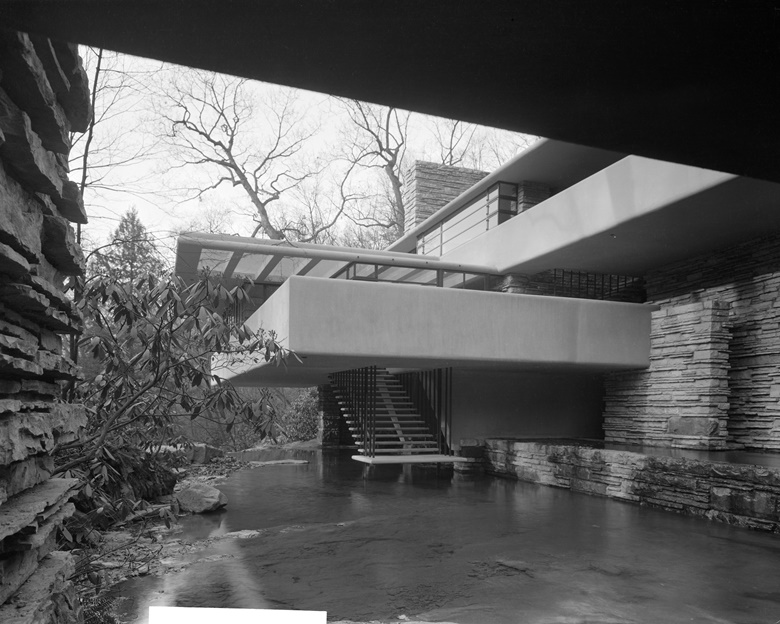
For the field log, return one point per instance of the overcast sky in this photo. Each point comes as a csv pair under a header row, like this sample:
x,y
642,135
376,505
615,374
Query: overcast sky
x,y
146,183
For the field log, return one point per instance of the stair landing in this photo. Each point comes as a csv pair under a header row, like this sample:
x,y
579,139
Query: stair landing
x,y
410,459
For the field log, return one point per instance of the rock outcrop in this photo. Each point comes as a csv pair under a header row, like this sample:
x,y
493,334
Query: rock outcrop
x,y
44,95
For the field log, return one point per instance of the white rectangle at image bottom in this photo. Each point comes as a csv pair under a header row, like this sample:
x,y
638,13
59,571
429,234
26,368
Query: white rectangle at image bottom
x,y
210,615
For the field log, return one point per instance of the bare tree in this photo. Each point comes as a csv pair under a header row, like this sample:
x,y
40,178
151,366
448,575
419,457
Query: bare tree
x,y
214,217
376,138
454,139
323,202
462,144
214,125
105,159
102,158
492,147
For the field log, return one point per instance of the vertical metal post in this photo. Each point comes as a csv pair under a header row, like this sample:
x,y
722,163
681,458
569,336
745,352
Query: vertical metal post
x,y
449,411
372,407
363,380
438,412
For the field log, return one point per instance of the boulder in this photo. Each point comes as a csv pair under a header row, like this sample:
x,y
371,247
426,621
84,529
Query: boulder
x,y
200,498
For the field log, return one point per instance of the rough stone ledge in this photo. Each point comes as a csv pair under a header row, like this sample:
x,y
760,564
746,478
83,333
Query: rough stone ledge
x,y
13,324
51,580
35,167
29,301
20,476
12,263
57,367
18,367
16,568
20,554
25,79
32,507
77,104
23,434
57,78
22,543
13,345
59,246
20,220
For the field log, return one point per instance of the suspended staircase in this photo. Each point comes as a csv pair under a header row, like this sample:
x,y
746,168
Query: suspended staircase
x,y
396,419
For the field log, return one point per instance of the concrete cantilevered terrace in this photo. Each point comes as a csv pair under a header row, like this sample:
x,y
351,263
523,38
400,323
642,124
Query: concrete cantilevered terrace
x,y
384,308
336,325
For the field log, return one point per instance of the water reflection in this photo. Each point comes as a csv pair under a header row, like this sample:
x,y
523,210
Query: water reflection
x,y
216,576
368,543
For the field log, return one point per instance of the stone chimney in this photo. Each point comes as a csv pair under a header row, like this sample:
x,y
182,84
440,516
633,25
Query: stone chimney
x,y
428,187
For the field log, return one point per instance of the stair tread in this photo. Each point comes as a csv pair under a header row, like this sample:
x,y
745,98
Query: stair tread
x,y
384,410
415,443
390,417
406,429
398,428
405,451
387,415
385,427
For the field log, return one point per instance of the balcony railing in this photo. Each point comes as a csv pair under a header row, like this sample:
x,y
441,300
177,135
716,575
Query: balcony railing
x,y
443,278
496,206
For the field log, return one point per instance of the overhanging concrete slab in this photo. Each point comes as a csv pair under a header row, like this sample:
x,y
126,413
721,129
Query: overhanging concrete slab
x,y
634,215
692,82
338,324
556,164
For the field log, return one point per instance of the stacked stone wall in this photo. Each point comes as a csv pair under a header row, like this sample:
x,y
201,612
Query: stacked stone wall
x,y
739,494
745,280
682,398
429,187
44,96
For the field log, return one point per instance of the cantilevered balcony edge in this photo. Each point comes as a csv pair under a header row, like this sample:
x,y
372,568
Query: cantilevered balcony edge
x,y
632,217
336,325
557,164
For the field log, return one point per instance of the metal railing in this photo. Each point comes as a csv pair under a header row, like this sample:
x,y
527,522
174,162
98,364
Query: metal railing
x,y
431,394
358,391
397,273
567,283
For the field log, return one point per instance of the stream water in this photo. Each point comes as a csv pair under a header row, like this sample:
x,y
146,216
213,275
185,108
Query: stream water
x,y
375,543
